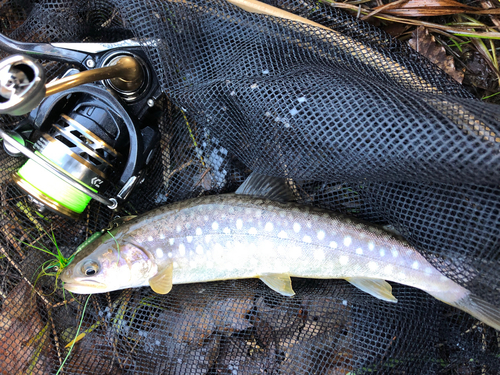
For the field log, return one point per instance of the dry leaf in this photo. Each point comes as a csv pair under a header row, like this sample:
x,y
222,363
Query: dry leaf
x,y
426,45
421,8
25,347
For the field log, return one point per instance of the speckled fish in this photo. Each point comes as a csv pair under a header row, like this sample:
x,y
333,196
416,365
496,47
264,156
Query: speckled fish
x,y
238,236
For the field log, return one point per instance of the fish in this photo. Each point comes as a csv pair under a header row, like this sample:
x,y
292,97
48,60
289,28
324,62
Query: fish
x,y
258,232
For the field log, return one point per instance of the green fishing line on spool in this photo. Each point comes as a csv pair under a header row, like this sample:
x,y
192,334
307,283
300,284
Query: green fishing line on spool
x,y
53,186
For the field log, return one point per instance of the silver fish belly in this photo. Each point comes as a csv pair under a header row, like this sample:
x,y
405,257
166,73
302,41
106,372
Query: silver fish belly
x,y
236,236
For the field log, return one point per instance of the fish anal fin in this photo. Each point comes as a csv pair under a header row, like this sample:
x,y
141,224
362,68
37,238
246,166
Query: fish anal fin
x,y
161,283
273,188
378,288
279,282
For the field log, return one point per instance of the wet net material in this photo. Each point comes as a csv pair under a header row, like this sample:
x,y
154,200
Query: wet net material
x,y
359,122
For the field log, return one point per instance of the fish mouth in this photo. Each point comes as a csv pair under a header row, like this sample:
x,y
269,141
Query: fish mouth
x,y
87,286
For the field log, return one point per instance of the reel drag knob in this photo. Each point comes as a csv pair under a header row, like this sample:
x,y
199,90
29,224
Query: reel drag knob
x,y
22,85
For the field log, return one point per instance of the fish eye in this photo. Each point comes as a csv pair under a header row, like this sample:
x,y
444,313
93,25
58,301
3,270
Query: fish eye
x,y
90,268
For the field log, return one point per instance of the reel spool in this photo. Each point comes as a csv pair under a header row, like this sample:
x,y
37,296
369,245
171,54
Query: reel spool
x,y
84,137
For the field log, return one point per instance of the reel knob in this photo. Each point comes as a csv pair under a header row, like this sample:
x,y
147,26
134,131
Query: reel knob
x,y
22,85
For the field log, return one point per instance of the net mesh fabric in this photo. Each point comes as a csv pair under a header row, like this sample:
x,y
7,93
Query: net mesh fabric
x,y
359,122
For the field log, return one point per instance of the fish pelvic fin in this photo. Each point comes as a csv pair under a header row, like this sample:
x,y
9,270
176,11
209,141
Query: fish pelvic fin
x,y
279,282
378,288
480,309
161,283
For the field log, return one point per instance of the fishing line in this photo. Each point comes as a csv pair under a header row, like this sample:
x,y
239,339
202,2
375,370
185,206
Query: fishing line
x,y
54,187
77,333
117,246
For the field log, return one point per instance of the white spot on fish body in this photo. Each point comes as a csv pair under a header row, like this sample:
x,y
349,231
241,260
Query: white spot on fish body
x,y
175,265
371,246
344,259
307,239
333,245
199,249
282,235
302,99
428,270
171,241
347,240
382,252
296,227
372,266
319,255
159,253
189,239
359,251
182,250
394,252
199,232
150,239
344,302
269,227
178,228
162,236
226,230
252,231
415,265
170,255
215,225
321,234
239,224
294,111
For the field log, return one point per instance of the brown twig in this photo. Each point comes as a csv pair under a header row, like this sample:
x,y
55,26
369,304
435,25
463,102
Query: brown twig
x,y
382,8
56,338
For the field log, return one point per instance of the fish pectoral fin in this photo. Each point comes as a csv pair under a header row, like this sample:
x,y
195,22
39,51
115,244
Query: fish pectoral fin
x,y
161,283
279,282
378,288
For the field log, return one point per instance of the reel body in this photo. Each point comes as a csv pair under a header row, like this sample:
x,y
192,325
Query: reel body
x,y
90,135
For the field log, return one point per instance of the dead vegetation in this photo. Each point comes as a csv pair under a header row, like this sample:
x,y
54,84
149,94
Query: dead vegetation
x,y
462,38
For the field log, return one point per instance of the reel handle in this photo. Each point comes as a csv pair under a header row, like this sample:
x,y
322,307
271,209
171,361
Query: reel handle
x,y
22,81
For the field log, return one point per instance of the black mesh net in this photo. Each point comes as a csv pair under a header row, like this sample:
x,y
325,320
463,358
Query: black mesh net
x,y
358,121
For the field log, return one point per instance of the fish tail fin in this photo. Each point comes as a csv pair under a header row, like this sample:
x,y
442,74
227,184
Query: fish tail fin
x,y
480,309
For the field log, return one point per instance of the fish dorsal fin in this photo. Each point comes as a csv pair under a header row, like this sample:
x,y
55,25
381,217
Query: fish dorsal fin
x,y
273,188
161,283
279,282
378,288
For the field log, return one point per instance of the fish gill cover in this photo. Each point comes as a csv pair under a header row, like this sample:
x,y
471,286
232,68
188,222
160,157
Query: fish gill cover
x,y
358,121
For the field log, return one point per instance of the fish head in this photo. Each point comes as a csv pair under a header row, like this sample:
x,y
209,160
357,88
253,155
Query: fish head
x,y
108,265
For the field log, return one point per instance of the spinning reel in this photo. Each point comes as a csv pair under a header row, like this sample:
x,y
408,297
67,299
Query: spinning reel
x,y
84,135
